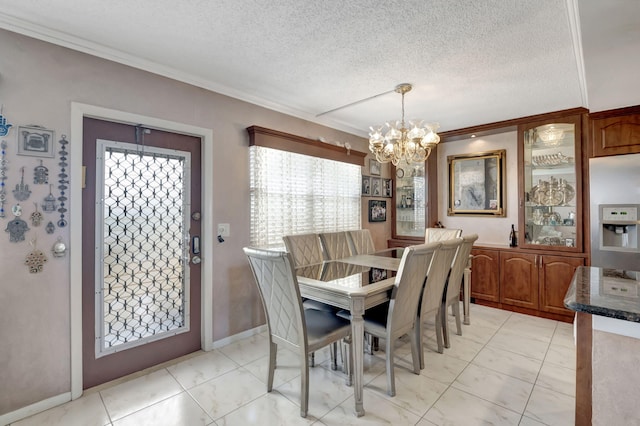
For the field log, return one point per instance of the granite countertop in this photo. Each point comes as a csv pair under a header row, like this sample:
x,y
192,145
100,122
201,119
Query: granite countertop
x,y
610,293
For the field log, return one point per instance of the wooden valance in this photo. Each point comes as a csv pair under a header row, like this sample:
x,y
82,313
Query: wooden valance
x,y
261,136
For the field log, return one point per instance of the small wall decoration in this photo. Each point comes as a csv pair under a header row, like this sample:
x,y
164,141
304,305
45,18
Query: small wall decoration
x,y
22,191
36,259
40,174
374,167
35,141
366,185
377,211
63,181
49,205
3,177
4,126
16,229
59,248
36,216
50,228
476,184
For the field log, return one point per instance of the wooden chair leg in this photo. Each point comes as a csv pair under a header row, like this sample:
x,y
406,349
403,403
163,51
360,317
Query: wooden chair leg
x,y
312,359
415,357
442,313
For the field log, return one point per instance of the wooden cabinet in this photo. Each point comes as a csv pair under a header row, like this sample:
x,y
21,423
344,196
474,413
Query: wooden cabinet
x,y
519,279
485,278
523,281
556,273
615,132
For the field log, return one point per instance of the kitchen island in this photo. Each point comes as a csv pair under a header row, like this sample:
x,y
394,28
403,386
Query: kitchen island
x,y
607,306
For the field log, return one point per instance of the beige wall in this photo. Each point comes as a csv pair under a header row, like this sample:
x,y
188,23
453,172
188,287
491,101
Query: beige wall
x,y
490,230
38,82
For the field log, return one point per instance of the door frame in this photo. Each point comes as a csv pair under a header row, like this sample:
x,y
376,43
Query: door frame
x,y
78,112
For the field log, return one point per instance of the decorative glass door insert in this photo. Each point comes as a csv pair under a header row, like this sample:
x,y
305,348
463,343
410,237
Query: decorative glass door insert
x,y
142,244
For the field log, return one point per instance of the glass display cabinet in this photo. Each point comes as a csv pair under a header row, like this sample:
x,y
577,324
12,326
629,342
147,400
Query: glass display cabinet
x,y
410,201
550,185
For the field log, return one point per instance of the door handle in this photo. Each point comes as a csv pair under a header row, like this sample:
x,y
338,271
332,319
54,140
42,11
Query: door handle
x,y
195,245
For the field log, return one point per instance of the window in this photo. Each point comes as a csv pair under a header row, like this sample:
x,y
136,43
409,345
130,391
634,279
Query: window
x,y
296,194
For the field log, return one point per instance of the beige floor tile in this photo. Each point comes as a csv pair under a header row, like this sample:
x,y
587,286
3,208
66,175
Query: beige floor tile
x,y
557,378
247,350
458,408
509,363
563,356
551,408
86,411
378,411
498,388
220,396
197,370
177,410
129,397
442,367
511,341
269,409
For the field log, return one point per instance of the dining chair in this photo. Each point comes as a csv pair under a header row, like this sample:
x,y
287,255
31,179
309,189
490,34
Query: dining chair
x,y
433,292
441,234
398,317
452,288
361,241
306,249
335,245
289,324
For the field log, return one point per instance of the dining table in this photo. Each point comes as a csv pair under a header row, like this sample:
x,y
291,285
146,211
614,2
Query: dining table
x,y
353,287
357,283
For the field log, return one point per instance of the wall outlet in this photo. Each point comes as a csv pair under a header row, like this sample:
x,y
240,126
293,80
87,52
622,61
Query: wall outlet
x,y
224,229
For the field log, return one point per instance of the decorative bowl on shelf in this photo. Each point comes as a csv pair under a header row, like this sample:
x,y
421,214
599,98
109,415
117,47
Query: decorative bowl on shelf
x,y
551,160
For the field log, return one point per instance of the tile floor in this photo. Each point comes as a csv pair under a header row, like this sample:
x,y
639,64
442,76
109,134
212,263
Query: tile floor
x,y
506,369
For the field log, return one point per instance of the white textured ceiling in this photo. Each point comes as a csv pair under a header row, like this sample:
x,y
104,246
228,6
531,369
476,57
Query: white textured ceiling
x,y
471,62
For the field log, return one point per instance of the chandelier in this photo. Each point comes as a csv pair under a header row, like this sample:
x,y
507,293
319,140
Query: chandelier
x,y
411,144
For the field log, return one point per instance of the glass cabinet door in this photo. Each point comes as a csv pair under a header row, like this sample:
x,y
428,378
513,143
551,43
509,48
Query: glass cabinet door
x,y
551,212
410,200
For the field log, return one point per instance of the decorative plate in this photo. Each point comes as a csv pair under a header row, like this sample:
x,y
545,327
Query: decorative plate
x,y
400,173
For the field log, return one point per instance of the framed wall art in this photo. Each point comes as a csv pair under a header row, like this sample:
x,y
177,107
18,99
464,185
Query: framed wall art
x,y
374,167
377,211
387,185
476,184
366,185
376,187
35,141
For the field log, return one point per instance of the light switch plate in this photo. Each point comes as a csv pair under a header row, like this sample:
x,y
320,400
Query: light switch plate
x,y
224,229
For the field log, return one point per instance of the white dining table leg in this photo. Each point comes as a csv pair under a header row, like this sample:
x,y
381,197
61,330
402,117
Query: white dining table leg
x,y
357,330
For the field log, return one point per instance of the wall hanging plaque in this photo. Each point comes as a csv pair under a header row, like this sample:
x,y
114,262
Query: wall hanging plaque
x,y
3,176
36,259
63,181
59,248
49,205
40,174
16,229
36,216
35,141
22,191
4,126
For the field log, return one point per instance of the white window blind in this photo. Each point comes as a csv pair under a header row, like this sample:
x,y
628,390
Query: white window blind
x,y
296,194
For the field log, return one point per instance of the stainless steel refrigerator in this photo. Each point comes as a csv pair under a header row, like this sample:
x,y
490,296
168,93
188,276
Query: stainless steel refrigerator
x,y
615,211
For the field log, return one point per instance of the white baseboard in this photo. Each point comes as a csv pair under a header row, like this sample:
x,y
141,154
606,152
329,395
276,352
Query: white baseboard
x,y
236,337
34,408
